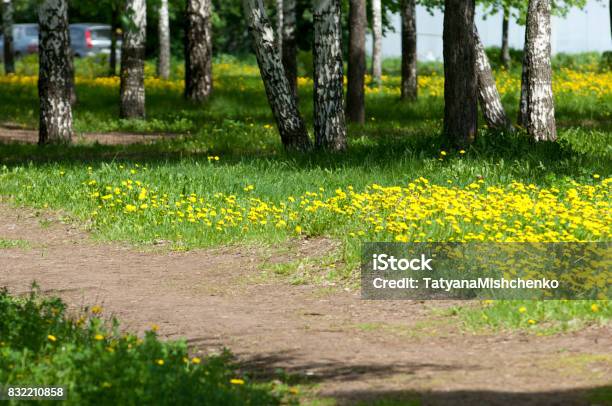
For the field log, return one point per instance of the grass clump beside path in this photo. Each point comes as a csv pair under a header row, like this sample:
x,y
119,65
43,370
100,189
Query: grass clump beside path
x,y
97,364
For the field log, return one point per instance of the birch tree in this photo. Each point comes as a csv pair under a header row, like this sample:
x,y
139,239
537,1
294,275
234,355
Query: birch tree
x,y
505,47
537,110
198,51
355,97
132,60
290,43
163,63
7,33
488,95
460,80
409,85
329,120
53,87
291,127
279,25
376,42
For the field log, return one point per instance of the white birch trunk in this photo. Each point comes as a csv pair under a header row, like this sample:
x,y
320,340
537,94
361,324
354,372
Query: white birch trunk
x,y
488,95
329,117
132,60
279,25
289,49
198,51
290,124
376,42
163,63
537,105
54,70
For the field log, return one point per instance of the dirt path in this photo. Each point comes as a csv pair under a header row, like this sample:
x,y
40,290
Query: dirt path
x,y
13,133
353,349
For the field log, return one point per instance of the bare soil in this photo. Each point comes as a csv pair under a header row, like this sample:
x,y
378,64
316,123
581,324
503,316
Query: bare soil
x,y
13,133
350,349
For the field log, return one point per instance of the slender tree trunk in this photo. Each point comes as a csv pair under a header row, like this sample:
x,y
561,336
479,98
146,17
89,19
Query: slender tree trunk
x,y
329,120
376,42
113,49
537,106
505,48
291,127
198,51
488,96
279,25
163,63
460,84
7,31
355,97
132,61
53,87
290,43
409,50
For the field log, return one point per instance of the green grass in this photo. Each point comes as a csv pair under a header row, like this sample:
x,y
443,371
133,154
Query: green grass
x,y
537,317
9,243
41,345
399,143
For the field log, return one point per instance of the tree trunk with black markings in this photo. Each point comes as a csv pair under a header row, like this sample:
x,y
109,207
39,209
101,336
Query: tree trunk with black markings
x,y
460,80
291,127
163,62
505,48
7,32
279,25
537,110
198,51
355,96
54,70
290,43
376,42
488,95
409,86
132,60
329,119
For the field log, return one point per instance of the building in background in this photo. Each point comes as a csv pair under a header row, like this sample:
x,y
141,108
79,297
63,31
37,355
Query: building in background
x,y
580,31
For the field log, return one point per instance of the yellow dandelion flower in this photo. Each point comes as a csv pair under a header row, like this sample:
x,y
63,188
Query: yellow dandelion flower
x,y
51,338
237,381
522,309
594,308
196,360
98,337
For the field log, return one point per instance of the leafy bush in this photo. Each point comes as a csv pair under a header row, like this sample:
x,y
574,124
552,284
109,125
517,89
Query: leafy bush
x,y
96,363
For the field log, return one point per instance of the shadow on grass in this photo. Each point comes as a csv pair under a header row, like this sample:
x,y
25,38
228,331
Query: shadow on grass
x,y
399,150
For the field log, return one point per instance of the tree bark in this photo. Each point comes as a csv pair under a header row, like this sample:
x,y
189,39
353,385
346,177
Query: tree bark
x,y
7,31
53,87
409,85
329,120
460,81
355,98
291,127
505,48
113,49
198,51
279,25
290,43
132,61
163,63
537,105
376,42
488,95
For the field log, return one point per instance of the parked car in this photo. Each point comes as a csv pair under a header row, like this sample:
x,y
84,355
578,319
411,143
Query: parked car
x,y
25,40
91,39
85,39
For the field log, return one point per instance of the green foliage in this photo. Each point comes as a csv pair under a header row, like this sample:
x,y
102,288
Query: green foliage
x,y
538,317
41,345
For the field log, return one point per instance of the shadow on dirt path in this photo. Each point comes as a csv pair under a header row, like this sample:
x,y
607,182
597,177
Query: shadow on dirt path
x,y
216,298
